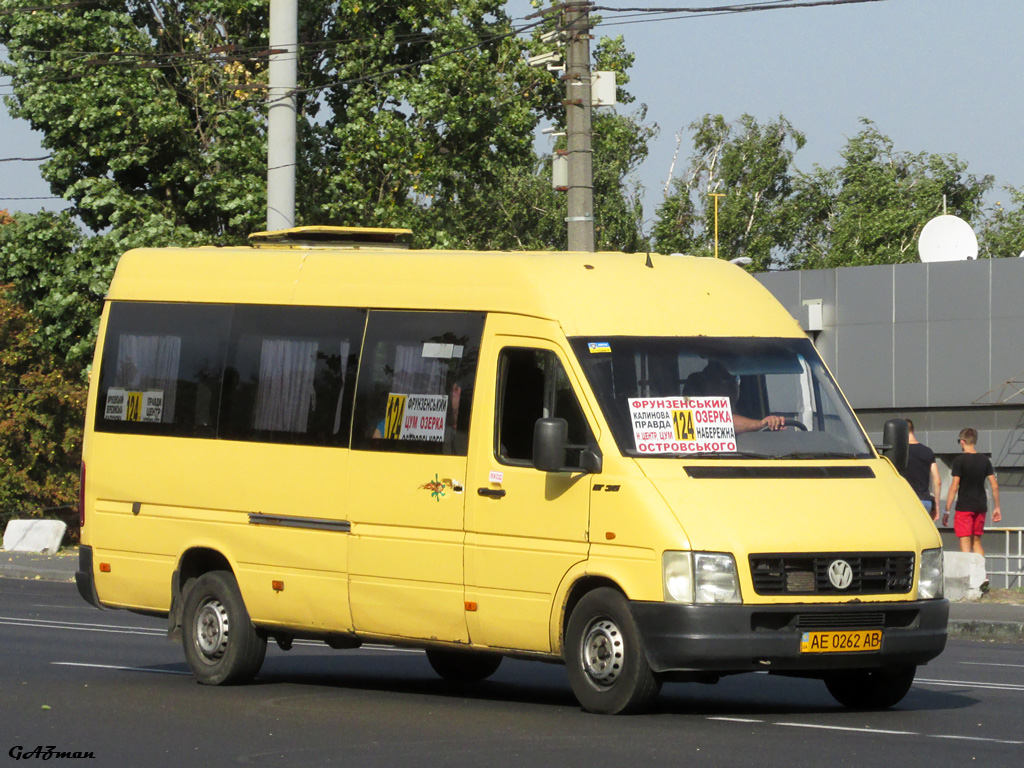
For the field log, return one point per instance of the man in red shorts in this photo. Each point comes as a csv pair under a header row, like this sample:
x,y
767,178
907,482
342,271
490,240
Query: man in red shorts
x,y
970,470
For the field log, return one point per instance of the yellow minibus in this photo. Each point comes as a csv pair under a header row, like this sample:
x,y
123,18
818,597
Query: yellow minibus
x,y
633,464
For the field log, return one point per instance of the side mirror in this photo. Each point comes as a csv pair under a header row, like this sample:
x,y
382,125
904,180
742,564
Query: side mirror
x,y
550,437
896,443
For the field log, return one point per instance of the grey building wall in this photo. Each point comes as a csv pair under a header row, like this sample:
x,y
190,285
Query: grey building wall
x,y
942,344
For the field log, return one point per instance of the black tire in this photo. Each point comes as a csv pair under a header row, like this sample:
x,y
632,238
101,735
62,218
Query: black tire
x,y
605,657
463,666
869,689
221,645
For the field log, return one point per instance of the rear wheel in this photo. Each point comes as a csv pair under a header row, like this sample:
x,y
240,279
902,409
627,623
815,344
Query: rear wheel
x,y
605,657
871,688
463,666
221,645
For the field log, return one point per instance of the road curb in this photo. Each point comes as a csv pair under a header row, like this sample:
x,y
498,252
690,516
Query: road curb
x,y
996,631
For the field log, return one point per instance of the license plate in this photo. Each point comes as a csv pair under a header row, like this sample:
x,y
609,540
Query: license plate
x,y
858,641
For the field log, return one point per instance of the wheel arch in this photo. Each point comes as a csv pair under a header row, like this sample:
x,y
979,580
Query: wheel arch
x,y
577,589
192,564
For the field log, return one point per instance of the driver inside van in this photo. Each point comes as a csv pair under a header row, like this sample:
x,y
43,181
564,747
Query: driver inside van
x,y
716,381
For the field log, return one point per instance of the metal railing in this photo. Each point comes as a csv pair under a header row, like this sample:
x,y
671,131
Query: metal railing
x,y
1006,569
1004,555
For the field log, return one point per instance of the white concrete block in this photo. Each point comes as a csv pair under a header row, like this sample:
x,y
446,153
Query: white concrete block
x,y
34,536
963,574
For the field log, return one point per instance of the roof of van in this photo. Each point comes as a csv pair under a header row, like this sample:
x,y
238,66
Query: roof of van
x,y
611,294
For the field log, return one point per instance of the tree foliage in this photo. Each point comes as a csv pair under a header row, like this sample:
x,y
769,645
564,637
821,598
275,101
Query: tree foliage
x,y
421,114
868,210
41,416
751,166
871,210
1002,234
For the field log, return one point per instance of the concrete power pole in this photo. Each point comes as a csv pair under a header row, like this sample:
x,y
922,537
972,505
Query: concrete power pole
x,y
281,114
576,23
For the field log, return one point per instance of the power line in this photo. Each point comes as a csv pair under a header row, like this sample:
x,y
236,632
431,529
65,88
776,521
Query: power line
x,y
770,5
24,159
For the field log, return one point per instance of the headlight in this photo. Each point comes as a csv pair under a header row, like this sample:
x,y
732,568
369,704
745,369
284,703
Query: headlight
x,y
929,583
700,577
715,579
678,571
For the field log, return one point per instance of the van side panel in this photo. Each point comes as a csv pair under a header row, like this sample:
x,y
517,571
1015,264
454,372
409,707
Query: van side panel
x,y
157,497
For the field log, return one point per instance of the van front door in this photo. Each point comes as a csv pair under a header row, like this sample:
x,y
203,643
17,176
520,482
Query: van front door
x,y
407,474
524,528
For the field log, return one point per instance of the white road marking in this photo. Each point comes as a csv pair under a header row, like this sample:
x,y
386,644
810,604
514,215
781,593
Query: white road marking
x,y
990,664
79,627
117,667
881,731
848,728
974,738
971,684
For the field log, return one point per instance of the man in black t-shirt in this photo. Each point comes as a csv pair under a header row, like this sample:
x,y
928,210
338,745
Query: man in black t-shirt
x,y
923,474
970,470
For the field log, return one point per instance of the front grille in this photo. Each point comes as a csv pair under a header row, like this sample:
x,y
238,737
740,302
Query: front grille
x,y
871,620
873,573
829,618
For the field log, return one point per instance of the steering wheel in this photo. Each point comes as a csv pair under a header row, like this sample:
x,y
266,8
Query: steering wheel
x,y
789,423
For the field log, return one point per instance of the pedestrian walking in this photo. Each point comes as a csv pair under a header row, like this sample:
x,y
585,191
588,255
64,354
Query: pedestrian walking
x,y
970,470
922,473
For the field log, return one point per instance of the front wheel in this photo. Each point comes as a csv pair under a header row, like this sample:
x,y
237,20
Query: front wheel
x,y
871,688
605,658
221,645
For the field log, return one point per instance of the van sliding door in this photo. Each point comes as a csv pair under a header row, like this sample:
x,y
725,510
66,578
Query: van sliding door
x,y
405,490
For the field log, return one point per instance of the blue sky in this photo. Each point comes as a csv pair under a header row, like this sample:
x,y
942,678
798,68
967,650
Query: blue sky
x,y
941,76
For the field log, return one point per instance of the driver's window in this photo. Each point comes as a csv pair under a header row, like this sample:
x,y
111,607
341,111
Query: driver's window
x,y
532,384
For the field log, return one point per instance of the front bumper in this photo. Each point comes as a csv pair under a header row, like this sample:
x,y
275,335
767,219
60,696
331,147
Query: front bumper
x,y
743,638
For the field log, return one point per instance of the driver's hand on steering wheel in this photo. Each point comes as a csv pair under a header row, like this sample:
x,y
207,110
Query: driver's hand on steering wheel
x,y
772,422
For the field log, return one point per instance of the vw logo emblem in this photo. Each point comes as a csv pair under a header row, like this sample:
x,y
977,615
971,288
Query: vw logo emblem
x,y
840,574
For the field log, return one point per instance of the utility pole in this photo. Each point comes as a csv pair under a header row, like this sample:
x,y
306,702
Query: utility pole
x,y
282,114
716,195
576,24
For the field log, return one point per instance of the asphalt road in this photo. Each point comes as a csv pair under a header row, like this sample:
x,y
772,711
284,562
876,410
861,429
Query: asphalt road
x,y
110,683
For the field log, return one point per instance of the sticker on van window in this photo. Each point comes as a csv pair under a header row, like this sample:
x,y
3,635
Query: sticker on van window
x,y
682,424
128,405
599,346
416,417
442,351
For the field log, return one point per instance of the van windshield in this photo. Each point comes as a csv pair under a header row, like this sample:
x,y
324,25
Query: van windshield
x,y
720,398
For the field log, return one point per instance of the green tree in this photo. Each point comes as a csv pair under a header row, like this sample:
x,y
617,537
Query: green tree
x,y
871,209
41,417
53,270
1002,232
750,164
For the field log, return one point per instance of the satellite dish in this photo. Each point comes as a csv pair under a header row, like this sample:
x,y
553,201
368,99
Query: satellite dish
x,y
947,238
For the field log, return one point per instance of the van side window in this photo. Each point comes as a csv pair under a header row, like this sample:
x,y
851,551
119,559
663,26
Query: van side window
x,y
416,382
290,374
532,384
161,369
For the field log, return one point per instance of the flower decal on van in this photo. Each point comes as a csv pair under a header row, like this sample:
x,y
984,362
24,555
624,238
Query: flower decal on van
x,y
435,486
438,486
